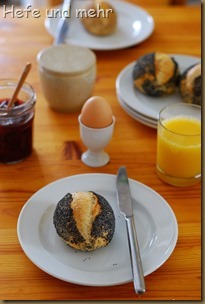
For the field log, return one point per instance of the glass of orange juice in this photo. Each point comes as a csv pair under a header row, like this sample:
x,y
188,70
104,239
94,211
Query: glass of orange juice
x,y
179,144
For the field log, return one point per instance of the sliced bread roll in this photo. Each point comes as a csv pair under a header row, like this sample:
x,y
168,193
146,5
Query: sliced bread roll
x,y
156,74
84,220
190,86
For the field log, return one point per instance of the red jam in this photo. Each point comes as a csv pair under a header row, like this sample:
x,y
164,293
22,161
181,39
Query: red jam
x,y
15,132
5,101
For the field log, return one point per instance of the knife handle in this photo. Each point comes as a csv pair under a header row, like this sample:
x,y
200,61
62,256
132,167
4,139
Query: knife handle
x,y
62,29
137,271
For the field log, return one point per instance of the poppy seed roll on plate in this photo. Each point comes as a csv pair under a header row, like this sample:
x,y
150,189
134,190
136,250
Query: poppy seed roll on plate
x,y
190,85
84,220
156,74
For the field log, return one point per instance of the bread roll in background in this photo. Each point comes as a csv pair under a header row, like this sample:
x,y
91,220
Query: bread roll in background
x,y
84,220
104,23
156,74
190,85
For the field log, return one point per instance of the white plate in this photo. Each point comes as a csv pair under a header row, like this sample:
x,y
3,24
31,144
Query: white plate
x,y
134,26
146,105
155,222
142,119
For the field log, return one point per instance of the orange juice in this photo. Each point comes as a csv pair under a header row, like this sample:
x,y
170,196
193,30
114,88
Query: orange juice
x,y
179,147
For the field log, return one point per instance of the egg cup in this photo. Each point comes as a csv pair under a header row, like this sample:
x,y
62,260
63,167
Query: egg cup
x,y
95,140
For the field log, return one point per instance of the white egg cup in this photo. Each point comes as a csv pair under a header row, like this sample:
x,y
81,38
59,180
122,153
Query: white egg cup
x,y
95,140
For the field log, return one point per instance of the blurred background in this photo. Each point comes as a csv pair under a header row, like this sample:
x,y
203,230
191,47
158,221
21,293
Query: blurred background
x,y
56,2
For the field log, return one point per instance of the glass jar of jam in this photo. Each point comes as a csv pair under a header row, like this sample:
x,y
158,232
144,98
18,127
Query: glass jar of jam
x,y
16,123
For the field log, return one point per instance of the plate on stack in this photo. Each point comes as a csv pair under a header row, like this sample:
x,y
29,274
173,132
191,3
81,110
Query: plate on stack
x,y
134,26
143,108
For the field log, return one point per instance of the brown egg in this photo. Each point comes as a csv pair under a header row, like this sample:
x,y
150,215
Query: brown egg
x,y
96,113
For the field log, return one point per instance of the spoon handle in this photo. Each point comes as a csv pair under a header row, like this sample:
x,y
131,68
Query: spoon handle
x,y
20,83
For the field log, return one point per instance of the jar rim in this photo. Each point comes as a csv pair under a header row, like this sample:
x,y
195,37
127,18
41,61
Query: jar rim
x,y
67,74
9,83
51,59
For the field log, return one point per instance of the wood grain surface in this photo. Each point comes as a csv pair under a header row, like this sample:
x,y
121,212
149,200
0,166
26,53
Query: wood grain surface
x,y
57,151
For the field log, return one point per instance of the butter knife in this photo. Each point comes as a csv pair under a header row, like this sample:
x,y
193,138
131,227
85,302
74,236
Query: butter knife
x,y
63,24
125,205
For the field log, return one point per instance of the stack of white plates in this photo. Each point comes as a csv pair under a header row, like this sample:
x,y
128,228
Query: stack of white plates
x,y
142,108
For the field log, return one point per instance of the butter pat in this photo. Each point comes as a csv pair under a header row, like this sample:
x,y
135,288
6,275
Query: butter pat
x,y
67,75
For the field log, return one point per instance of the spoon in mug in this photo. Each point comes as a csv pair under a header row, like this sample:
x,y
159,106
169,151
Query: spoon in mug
x,y
19,85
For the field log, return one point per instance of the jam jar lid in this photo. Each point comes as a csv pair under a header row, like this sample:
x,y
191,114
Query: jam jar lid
x,y
66,60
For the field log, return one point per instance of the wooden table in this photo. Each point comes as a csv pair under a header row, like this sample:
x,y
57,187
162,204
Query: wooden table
x,y
57,149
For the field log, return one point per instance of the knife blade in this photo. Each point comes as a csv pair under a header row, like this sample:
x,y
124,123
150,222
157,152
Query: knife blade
x,y
63,24
126,208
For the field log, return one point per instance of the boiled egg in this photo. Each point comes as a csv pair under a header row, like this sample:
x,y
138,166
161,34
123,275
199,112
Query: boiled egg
x,y
96,113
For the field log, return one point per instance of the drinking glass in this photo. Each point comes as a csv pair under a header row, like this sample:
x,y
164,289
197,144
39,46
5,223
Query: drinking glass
x,y
179,144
